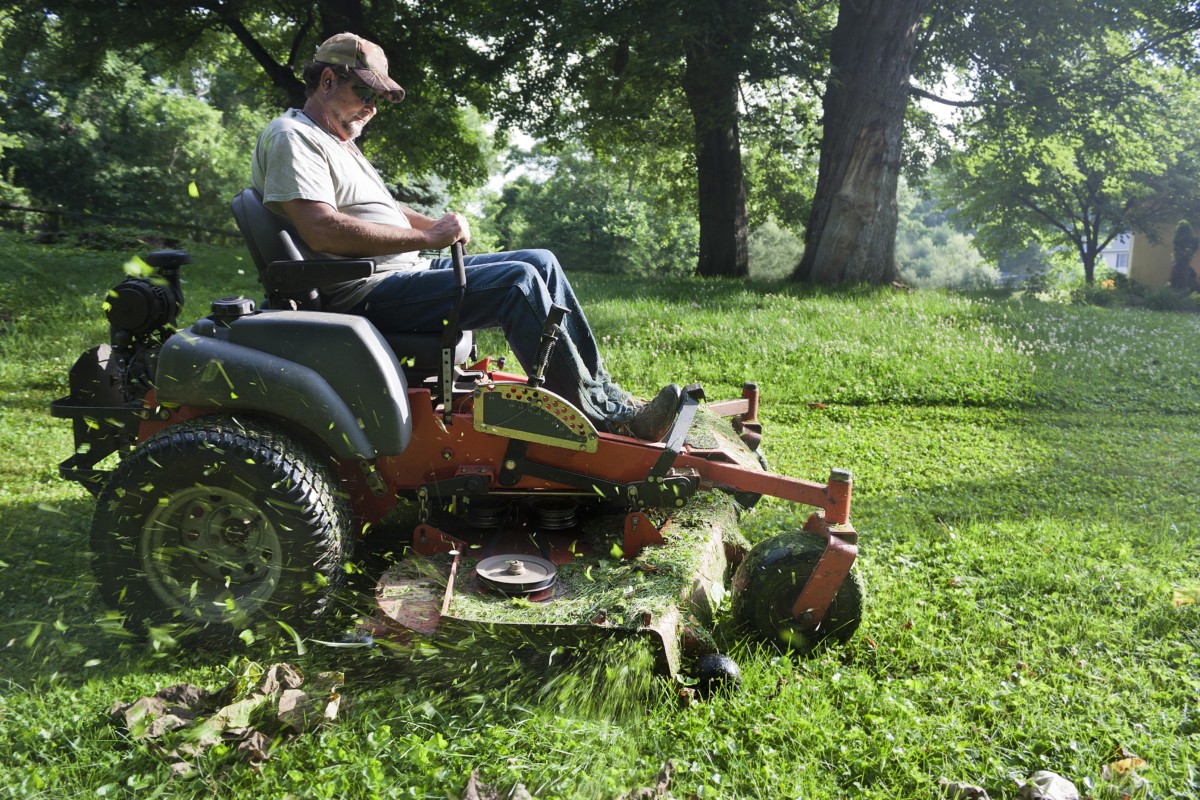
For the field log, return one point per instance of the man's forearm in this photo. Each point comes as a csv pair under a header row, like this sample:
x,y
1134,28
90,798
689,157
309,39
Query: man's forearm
x,y
330,231
417,219
348,236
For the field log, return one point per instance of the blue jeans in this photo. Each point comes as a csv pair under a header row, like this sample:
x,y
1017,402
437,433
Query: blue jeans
x,y
512,291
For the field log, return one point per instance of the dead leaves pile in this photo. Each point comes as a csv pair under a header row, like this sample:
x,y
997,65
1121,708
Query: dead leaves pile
x,y
250,714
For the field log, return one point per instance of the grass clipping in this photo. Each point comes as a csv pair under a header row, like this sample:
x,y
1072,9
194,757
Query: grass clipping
x,y
688,568
607,585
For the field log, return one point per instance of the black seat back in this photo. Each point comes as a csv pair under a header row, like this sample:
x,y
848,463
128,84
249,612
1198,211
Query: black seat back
x,y
268,236
270,239
290,274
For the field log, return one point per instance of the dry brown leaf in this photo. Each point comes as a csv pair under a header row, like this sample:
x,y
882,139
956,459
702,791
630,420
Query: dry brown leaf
x,y
661,787
280,677
478,791
1120,768
183,720
254,748
1186,597
956,790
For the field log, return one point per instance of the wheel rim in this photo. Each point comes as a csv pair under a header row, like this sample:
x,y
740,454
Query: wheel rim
x,y
211,553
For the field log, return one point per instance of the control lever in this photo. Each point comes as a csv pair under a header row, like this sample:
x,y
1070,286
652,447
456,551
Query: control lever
x,y
451,333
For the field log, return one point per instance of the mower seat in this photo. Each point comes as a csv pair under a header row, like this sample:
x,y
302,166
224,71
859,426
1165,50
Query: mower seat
x,y
291,275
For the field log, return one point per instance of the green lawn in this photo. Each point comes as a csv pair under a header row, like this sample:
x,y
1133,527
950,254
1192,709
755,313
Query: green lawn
x,y
1026,485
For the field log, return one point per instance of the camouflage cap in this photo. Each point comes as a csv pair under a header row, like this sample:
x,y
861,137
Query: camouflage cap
x,y
365,59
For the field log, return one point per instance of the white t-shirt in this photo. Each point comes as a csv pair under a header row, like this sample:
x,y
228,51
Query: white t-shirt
x,y
295,159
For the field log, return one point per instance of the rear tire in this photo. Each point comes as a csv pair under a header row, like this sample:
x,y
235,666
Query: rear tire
x,y
213,523
770,579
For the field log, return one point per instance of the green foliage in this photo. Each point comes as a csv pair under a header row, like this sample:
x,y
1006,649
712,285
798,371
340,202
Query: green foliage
x,y
1072,152
774,251
931,253
126,144
8,190
594,215
1184,246
1165,298
1102,295
132,125
781,135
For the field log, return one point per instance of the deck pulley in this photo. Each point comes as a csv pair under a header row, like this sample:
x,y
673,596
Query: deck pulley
x,y
516,574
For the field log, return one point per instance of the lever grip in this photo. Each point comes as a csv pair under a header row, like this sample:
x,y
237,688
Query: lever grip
x,y
460,268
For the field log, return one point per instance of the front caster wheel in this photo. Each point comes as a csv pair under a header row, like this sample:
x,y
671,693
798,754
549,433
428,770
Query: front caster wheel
x,y
716,672
770,579
212,523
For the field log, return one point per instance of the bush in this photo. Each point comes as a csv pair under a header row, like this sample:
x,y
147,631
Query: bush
x,y
1164,298
932,254
1103,293
774,251
595,217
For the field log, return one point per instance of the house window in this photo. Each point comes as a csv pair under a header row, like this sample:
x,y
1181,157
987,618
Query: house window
x,y
1122,262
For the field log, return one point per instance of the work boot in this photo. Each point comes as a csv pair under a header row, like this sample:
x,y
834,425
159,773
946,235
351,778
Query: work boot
x,y
651,421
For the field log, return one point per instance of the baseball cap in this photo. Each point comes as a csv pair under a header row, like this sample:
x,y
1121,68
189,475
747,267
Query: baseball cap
x,y
365,59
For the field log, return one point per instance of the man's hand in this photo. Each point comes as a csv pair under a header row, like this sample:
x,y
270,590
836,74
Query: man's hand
x,y
451,228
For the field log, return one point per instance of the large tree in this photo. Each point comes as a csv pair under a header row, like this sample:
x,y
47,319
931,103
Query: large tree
x,y
851,235
1012,53
671,75
1087,128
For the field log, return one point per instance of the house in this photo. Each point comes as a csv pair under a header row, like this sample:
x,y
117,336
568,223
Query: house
x,y
1116,255
1150,261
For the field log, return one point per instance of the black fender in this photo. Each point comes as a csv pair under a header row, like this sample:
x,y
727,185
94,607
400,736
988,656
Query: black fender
x,y
332,375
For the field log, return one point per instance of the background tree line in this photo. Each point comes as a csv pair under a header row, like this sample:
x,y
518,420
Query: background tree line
x,y
670,131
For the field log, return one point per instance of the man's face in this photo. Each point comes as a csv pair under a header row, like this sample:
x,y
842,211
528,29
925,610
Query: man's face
x,y
351,107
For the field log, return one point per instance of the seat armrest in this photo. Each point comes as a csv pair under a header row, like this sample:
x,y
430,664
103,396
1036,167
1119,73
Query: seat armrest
x,y
297,276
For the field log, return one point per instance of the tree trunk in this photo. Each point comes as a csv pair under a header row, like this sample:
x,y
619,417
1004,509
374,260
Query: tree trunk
x,y
712,94
1089,267
851,235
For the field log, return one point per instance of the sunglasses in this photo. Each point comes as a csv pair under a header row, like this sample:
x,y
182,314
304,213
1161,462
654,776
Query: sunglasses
x,y
369,96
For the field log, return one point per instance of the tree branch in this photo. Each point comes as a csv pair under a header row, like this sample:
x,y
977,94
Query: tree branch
x,y
916,91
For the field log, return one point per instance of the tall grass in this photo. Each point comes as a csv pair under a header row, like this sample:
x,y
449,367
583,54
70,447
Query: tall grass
x,y
1026,483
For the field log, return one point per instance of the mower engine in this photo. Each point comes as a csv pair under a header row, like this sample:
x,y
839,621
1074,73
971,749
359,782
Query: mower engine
x,y
109,381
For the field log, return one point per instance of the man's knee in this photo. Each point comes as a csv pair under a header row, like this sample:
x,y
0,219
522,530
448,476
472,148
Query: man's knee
x,y
545,262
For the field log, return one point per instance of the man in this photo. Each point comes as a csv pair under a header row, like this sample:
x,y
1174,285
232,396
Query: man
x,y
307,167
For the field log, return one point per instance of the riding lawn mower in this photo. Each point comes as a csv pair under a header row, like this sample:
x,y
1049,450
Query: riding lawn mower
x,y
256,447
